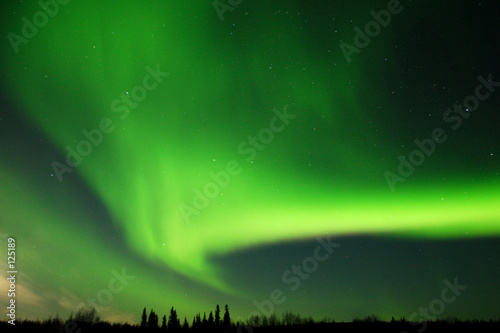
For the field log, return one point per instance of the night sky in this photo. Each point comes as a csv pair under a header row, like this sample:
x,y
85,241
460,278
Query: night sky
x,y
205,151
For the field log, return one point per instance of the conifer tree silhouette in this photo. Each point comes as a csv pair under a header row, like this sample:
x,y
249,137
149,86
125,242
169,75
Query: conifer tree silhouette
x,y
217,317
196,322
185,326
204,322
211,323
174,324
164,323
152,320
144,318
226,323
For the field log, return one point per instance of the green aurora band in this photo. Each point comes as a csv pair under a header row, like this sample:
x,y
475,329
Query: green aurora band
x,y
220,89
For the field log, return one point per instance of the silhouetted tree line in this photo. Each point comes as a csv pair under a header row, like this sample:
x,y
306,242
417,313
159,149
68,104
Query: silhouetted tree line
x,y
87,320
149,323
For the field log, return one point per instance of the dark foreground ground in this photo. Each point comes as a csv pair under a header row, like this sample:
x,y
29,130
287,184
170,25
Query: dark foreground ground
x,y
393,327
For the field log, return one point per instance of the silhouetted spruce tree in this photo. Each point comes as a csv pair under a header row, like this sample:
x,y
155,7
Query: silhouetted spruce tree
x,y
217,317
204,322
185,326
211,323
144,319
152,320
173,321
196,322
226,322
164,323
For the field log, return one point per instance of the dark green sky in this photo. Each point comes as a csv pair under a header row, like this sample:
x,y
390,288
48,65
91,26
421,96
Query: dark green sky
x,y
205,156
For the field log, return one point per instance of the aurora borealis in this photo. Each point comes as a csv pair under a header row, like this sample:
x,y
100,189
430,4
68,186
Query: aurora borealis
x,y
196,182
